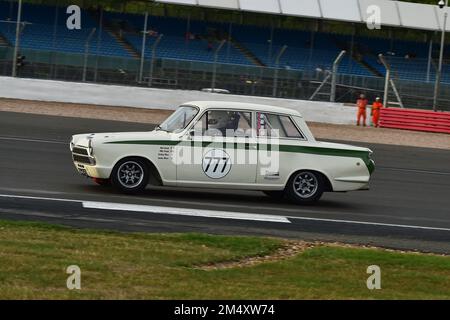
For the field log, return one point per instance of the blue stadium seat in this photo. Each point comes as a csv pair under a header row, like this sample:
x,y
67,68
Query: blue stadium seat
x,y
174,44
298,54
41,32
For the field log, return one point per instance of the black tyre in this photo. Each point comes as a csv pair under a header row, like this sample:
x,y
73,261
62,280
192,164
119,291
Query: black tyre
x,y
278,195
305,187
130,175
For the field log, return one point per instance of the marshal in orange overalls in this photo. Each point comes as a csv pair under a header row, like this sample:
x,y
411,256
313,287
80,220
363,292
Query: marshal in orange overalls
x,y
361,104
376,108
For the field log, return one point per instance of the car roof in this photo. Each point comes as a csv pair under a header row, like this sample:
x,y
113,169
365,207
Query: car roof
x,y
245,106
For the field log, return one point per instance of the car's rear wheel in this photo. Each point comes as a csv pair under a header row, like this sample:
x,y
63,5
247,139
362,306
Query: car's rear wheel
x,y
305,187
130,175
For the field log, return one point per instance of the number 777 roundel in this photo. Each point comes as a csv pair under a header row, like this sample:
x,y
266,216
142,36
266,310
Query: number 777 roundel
x,y
216,163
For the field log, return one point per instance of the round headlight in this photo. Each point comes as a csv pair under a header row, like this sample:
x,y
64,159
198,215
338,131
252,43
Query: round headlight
x,y
90,147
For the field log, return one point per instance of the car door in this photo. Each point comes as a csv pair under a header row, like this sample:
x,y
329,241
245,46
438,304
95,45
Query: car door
x,y
219,150
278,137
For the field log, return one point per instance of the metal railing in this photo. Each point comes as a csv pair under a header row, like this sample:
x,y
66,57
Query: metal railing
x,y
196,75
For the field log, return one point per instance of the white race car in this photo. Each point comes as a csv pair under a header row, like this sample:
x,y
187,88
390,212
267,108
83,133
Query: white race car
x,y
225,145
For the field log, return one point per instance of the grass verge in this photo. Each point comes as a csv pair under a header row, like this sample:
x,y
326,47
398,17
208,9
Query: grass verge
x,y
34,258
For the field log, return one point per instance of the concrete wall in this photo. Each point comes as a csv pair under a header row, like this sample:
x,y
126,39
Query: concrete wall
x,y
111,95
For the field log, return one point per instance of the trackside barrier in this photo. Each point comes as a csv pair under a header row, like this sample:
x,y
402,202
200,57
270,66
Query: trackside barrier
x,y
417,120
152,98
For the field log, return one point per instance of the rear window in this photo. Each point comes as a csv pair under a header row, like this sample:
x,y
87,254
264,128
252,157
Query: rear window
x,y
273,125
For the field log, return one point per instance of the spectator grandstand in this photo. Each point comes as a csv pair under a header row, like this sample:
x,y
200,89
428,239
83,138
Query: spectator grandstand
x,y
310,50
40,31
177,43
188,40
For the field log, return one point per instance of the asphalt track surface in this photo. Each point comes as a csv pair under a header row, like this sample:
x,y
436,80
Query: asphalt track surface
x,y
408,206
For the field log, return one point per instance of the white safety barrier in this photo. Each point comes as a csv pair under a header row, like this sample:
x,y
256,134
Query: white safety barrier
x,y
112,95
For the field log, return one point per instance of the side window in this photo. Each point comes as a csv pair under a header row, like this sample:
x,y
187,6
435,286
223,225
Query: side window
x,y
224,123
272,125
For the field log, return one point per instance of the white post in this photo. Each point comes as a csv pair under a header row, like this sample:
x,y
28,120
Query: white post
x,y
16,46
277,66
216,56
99,43
269,53
152,63
387,79
144,40
441,56
86,53
334,75
430,51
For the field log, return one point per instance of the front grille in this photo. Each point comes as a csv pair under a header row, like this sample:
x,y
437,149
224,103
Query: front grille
x,y
81,159
80,151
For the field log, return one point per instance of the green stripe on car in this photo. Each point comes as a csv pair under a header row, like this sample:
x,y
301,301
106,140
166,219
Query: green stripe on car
x,y
364,155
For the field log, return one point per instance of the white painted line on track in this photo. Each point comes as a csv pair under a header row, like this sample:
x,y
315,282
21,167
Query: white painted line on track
x,y
170,201
379,224
37,198
415,170
237,207
32,140
161,210
184,211
213,213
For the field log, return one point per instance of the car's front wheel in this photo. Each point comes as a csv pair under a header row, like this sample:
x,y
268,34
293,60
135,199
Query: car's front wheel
x,y
305,187
130,175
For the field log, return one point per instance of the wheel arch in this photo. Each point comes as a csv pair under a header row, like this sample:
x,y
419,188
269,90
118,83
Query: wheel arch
x,y
155,176
328,185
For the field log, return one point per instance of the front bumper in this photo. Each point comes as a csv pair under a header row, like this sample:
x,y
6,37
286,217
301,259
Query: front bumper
x,y
86,164
92,171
